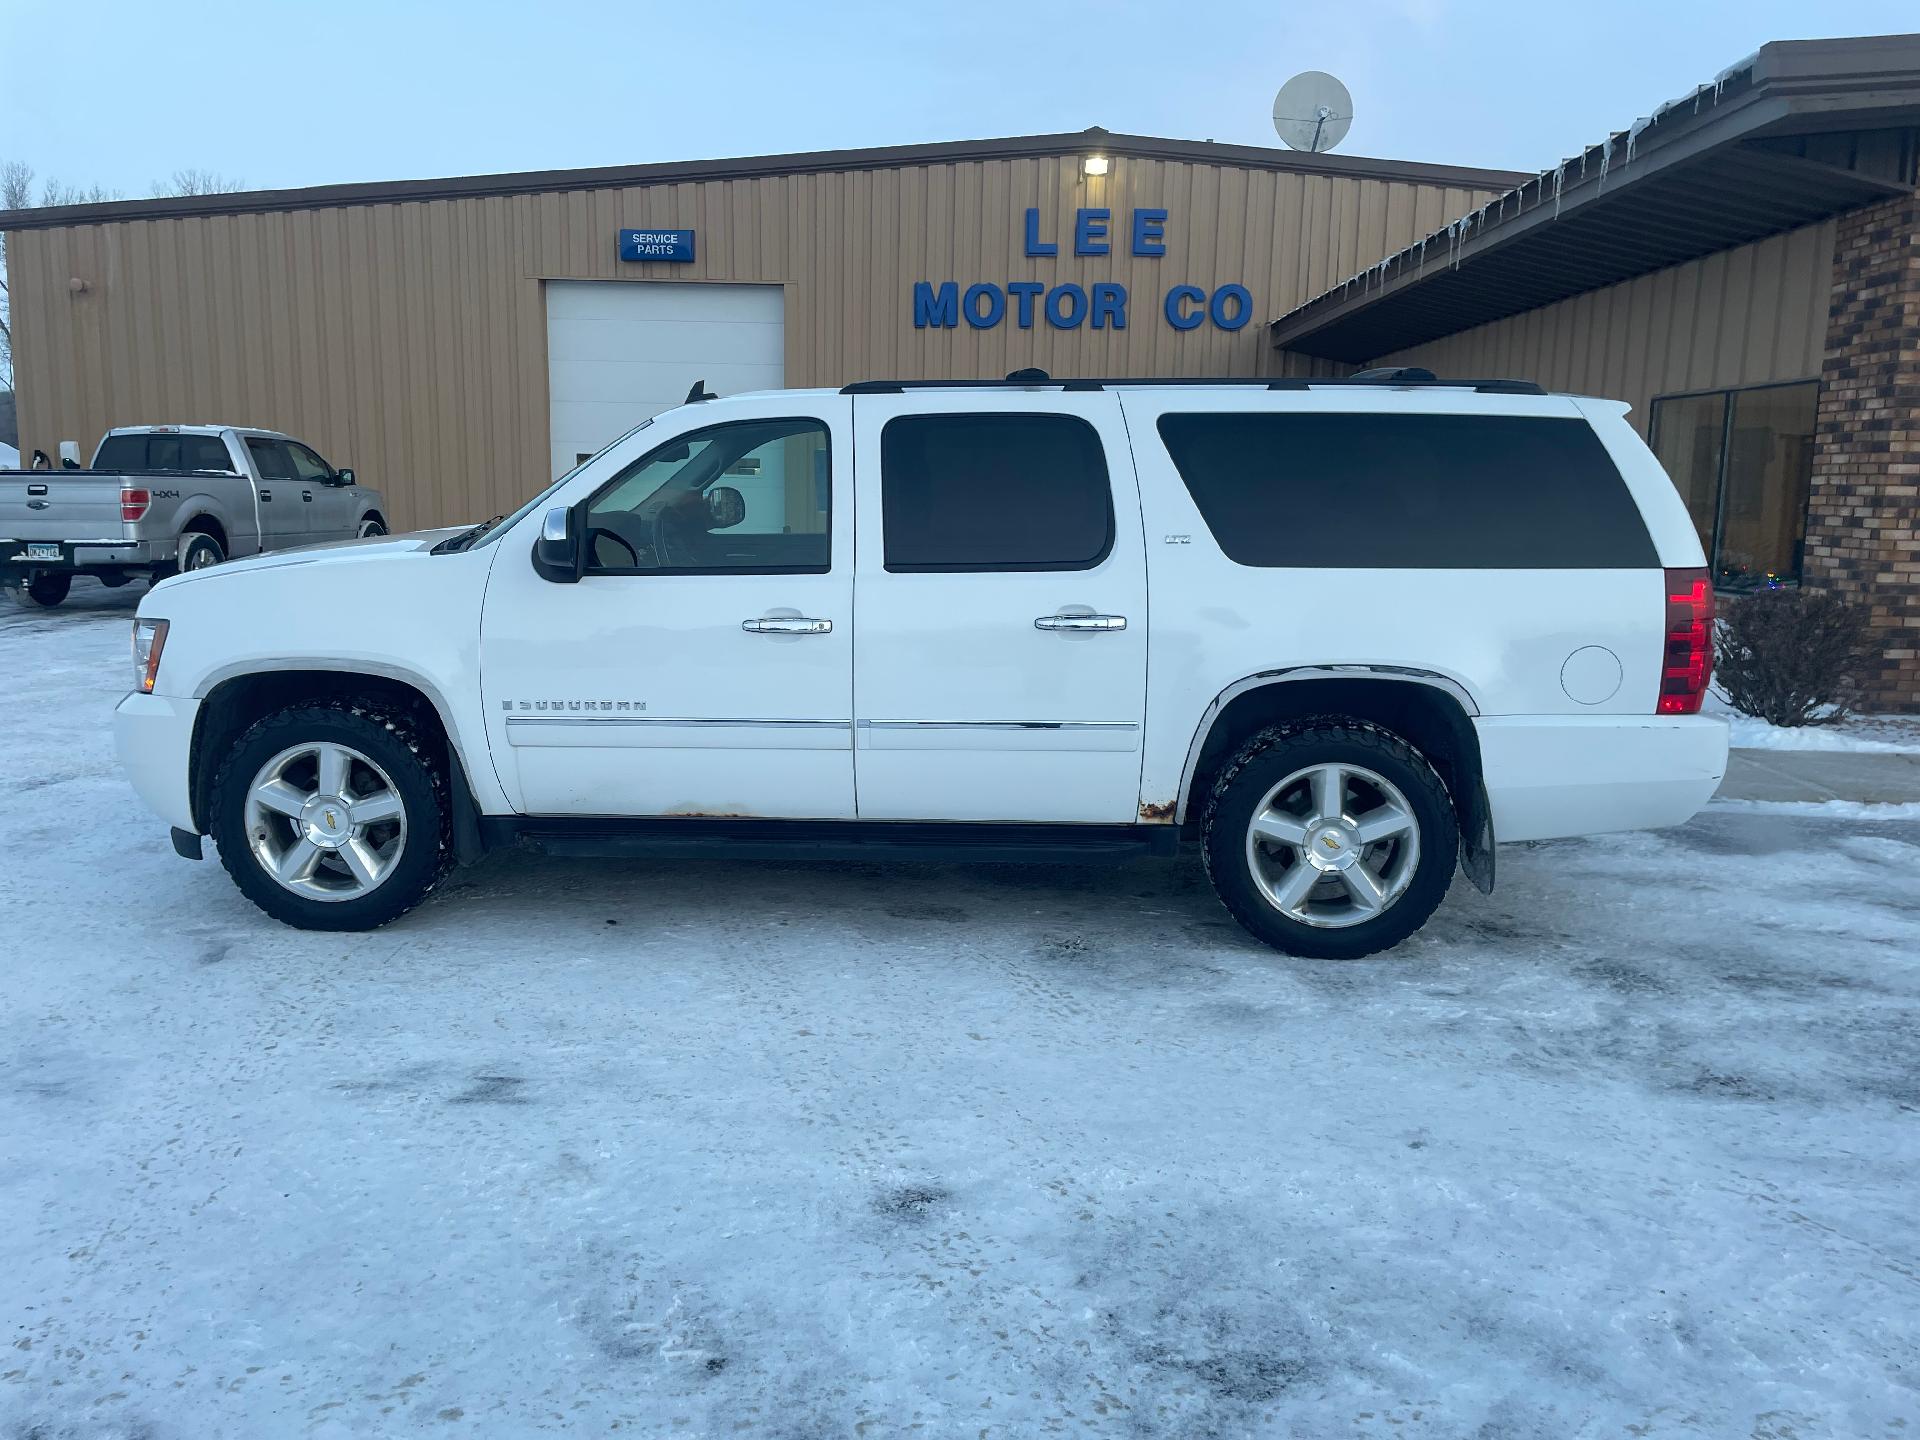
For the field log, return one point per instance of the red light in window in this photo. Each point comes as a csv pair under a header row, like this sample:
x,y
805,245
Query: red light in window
x,y
133,503
1688,665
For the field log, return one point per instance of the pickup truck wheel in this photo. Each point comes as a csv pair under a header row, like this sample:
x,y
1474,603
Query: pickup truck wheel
x,y
370,527
47,589
332,816
198,550
1330,838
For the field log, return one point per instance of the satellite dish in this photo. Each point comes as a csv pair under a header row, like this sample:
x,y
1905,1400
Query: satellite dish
x,y
1312,112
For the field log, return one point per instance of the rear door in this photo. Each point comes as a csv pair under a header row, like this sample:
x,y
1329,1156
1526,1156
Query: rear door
x,y
1001,606
283,515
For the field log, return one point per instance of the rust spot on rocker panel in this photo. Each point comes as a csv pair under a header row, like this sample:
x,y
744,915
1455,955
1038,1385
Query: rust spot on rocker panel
x,y
1158,814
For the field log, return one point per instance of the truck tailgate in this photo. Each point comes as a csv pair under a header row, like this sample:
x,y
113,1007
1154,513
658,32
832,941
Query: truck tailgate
x,y
52,505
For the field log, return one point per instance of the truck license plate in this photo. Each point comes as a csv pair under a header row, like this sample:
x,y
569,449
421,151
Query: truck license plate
x,y
43,552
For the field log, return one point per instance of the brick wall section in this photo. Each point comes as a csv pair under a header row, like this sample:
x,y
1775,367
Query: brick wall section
x,y
1862,537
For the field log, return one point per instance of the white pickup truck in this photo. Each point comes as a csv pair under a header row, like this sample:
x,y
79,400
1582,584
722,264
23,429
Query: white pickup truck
x,y
1343,634
163,498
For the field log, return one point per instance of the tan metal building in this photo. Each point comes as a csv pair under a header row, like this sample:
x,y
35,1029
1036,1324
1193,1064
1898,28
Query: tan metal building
x,y
460,341
1743,267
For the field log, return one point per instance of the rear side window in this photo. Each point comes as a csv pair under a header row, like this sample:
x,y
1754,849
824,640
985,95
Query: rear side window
x,y
270,457
1434,492
994,492
204,452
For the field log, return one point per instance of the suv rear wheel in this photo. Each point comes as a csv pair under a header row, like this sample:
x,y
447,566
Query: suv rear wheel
x,y
332,817
1330,838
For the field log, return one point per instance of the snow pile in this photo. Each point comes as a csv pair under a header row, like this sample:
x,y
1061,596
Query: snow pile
x,y
1862,734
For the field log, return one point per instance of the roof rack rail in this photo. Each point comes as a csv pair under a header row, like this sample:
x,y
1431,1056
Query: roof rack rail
x,y
1398,379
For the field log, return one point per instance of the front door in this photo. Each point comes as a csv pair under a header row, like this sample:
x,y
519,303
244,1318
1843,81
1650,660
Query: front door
x,y
1002,606
329,508
704,664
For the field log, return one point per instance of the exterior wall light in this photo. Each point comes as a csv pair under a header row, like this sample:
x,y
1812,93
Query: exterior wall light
x,y
1094,164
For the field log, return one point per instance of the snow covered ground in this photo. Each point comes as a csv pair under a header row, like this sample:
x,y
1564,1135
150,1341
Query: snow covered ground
x,y
1864,734
814,1150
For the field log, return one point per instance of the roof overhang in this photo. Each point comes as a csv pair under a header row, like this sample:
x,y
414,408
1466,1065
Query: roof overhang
x,y
888,157
1800,131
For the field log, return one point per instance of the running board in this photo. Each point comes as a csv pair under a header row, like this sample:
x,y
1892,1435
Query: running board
x,y
733,838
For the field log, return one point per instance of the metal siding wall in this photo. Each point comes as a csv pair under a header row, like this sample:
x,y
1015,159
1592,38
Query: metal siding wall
x,y
1747,316
409,341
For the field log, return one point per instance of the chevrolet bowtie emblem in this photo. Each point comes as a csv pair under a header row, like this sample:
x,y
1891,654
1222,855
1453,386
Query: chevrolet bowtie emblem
x,y
1326,840
332,820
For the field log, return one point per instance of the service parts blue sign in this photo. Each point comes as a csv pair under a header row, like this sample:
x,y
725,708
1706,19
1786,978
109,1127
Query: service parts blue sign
x,y
1101,305
675,246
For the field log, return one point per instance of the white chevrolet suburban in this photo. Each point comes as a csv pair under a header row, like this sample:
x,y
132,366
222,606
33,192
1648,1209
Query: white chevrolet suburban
x,y
1345,634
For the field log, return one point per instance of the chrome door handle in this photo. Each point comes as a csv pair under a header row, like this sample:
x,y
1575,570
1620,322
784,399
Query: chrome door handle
x,y
786,625
306,494
1081,622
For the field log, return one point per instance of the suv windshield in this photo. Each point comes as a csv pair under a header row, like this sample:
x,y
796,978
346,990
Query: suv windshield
x,y
488,531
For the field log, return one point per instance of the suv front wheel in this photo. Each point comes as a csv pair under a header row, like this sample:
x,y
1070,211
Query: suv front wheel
x,y
1330,838
332,816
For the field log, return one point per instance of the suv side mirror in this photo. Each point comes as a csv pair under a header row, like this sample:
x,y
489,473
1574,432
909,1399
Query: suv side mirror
x,y
559,554
343,476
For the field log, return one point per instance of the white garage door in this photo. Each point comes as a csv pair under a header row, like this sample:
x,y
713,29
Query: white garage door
x,y
618,352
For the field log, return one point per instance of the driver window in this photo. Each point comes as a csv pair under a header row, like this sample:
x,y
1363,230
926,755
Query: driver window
x,y
752,497
307,465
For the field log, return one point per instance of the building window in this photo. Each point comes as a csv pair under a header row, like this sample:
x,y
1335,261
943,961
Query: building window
x,y
1743,462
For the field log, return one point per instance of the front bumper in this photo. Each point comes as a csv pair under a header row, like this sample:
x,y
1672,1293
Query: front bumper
x,y
1554,775
153,740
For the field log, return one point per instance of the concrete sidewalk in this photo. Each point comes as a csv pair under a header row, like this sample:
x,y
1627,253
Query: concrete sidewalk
x,y
1815,775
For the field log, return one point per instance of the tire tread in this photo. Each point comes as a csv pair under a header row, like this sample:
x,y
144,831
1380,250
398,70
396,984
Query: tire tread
x,y
1308,731
287,724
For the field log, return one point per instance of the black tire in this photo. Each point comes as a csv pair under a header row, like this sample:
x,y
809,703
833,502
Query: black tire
x,y
371,526
399,744
47,589
1266,761
200,550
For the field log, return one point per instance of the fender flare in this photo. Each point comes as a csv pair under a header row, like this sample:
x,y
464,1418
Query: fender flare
x,y
1474,810
464,764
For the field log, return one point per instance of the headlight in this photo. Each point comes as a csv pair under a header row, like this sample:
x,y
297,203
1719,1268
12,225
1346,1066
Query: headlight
x,y
149,639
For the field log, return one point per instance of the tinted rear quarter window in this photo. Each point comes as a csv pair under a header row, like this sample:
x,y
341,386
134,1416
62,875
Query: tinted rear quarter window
x,y
1393,491
204,452
122,452
994,492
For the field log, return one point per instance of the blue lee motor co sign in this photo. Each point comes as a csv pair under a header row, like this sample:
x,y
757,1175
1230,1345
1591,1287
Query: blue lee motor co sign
x,y
670,245
1100,305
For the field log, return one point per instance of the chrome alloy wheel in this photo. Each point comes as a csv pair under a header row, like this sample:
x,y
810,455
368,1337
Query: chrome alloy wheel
x,y
325,821
1333,845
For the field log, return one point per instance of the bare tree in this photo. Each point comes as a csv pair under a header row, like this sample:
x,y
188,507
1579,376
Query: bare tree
x,y
17,193
194,181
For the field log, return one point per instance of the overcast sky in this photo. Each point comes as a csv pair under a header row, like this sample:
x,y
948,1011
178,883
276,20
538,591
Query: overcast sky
x,y
282,94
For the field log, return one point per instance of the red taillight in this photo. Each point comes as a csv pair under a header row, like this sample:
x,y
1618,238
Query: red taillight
x,y
133,503
1688,665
